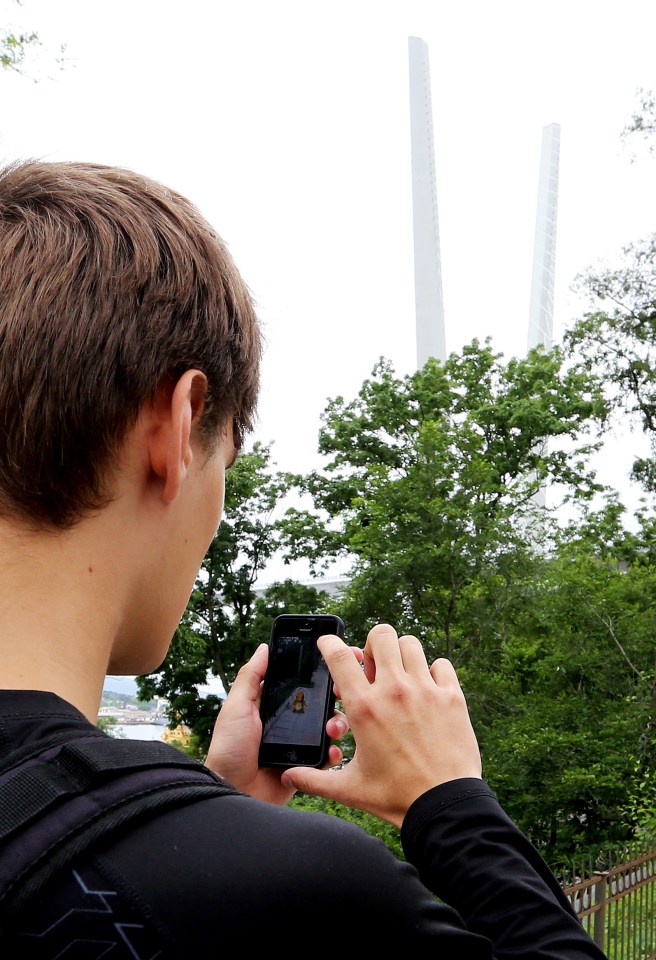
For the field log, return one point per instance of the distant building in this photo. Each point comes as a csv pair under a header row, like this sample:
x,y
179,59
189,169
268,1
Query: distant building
x,y
331,585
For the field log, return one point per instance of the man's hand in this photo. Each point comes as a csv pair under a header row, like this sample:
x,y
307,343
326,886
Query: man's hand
x,y
237,733
410,723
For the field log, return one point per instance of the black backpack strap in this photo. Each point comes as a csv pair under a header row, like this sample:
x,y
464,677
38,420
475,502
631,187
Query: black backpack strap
x,y
55,805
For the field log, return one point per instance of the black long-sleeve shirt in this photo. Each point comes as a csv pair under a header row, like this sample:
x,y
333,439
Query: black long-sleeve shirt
x,y
233,871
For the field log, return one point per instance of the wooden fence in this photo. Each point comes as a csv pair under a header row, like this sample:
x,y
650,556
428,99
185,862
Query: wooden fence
x,y
615,900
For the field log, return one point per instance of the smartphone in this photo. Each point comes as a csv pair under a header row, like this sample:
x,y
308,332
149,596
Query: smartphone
x,y
297,695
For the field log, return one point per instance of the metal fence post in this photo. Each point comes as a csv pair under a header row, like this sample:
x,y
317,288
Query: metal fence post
x,y
600,896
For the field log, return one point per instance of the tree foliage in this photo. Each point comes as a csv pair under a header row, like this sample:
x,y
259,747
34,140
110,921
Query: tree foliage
x,y
432,488
616,336
14,47
16,44
642,122
431,485
567,724
616,339
21,46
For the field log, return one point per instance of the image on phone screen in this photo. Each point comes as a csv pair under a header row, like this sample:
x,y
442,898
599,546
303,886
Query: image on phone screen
x,y
297,688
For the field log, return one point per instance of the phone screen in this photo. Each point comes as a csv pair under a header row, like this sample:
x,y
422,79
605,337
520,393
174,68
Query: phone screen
x,y
297,696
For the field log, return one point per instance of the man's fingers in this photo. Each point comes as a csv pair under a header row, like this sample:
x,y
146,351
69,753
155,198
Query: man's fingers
x,y
444,674
306,780
343,665
381,647
359,656
413,656
337,725
251,674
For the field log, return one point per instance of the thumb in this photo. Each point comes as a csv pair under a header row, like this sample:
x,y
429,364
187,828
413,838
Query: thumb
x,y
250,676
307,780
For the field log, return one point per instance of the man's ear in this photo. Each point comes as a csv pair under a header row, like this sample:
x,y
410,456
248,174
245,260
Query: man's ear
x,y
175,410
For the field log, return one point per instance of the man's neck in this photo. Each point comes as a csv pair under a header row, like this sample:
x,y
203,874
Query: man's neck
x,y
58,615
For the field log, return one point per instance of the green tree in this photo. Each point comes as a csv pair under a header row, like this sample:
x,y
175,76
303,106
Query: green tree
x,y
572,705
430,488
13,49
19,45
616,336
568,730
616,339
642,123
108,725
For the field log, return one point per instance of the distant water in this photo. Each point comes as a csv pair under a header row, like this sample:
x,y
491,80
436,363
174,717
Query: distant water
x,y
139,731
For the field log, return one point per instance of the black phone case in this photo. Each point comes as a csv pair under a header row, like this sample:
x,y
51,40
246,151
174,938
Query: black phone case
x,y
297,696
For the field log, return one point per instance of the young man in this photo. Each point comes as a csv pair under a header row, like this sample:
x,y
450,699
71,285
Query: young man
x,y
129,358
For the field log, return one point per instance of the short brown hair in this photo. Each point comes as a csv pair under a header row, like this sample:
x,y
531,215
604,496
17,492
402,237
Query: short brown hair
x,y
110,284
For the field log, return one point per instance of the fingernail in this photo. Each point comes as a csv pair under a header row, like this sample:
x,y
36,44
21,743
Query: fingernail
x,y
341,727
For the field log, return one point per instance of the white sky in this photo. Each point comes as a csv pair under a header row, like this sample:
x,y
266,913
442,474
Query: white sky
x,y
287,123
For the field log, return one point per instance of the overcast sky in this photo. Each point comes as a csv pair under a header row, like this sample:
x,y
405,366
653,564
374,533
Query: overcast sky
x,y
287,123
